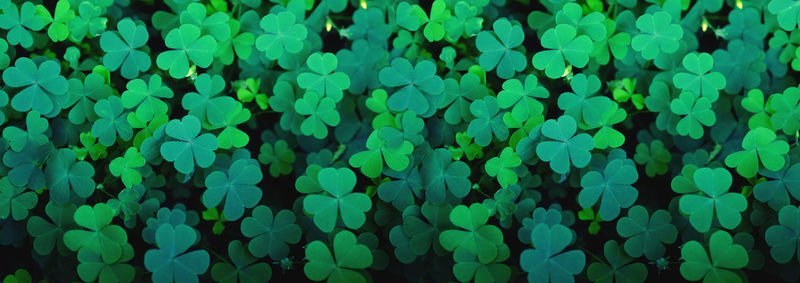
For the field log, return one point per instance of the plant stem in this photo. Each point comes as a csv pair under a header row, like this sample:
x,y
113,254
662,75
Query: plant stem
x,y
213,253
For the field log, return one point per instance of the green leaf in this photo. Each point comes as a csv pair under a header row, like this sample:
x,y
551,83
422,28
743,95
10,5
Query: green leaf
x,y
697,113
619,267
46,89
386,144
339,183
564,44
714,183
787,110
566,148
655,157
171,261
657,34
20,21
188,45
100,237
146,97
270,235
646,233
66,176
487,123
502,167
121,52
421,88
477,237
282,34
758,143
613,188
522,98
322,113
340,266
279,158
700,81
725,258
783,237
787,12
547,262
324,81
497,50
15,201
190,147
237,186
243,269
112,122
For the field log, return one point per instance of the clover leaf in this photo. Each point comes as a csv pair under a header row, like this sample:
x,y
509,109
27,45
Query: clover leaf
x,y
20,21
112,123
581,103
421,88
188,45
655,157
567,148
459,95
700,81
190,147
787,12
739,65
26,165
63,14
341,202
49,235
322,113
646,233
548,262
464,23
237,186
99,235
279,158
434,30
758,144
522,98
725,256
121,52
783,237
657,34
270,235
613,185
619,267
714,183
83,95
383,145
500,53
477,237
46,89
341,265
502,167
146,97
281,33
697,113
243,268
439,171
487,123
171,261
36,126
775,191
206,104
215,24
15,201
88,22
66,175
564,45
324,81
787,110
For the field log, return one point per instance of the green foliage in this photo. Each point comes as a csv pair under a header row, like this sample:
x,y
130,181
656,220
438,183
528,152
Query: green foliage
x,y
341,265
548,262
171,261
500,53
715,200
566,149
725,255
189,148
341,203
759,144
612,188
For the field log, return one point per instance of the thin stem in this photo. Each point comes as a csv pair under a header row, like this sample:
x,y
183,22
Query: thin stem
x,y
590,253
214,253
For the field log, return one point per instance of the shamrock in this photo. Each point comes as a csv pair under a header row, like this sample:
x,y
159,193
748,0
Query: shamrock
x,y
206,103
758,144
477,237
20,21
591,24
83,95
48,235
787,110
740,66
502,167
564,45
190,148
145,97
359,63
546,262
464,23
188,45
714,183
646,233
725,255
171,261
487,121
339,183
324,81
281,33
581,103
619,267
15,201
270,236
237,186
216,24
776,190
88,22
322,113
500,53
26,165
421,88
66,175
697,110
63,14
100,237
614,184
386,144
655,157
121,52
402,190
337,267
567,148
522,98
111,123
607,136
617,44
243,268
657,34
410,16
126,167
36,126
279,158
787,12
783,237
700,81
459,95
370,25
440,171
46,89
434,30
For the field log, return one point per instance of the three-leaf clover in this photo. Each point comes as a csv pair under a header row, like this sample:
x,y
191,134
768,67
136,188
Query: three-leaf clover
x,y
655,157
171,261
716,201
270,235
191,147
322,113
15,201
45,88
787,110
439,171
725,256
479,239
421,88
324,81
386,144
237,186
787,12
700,81
566,148
111,123
20,21
279,158
188,45
522,98
619,267
613,185
126,167
341,203
783,237
487,123
657,34
121,52
281,33
647,233
66,175
564,45
101,237
337,267
207,103
697,113
500,53
243,266
547,262
758,144
146,97
502,167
